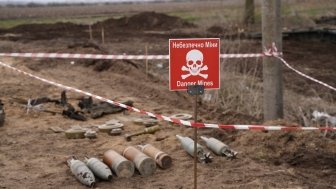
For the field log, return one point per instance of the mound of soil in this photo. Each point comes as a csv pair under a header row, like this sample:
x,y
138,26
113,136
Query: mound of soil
x,y
215,29
326,20
146,21
47,31
299,150
130,73
126,25
46,27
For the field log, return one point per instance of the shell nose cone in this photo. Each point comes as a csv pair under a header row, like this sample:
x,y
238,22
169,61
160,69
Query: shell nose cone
x,y
178,137
204,138
109,177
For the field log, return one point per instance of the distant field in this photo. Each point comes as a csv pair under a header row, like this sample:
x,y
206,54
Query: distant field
x,y
111,9
204,13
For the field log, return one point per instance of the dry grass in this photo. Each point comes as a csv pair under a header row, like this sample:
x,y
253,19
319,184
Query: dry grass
x,y
242,93
298,105
241,89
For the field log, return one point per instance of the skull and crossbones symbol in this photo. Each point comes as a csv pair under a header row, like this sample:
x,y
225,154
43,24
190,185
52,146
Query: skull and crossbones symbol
x,y
194,65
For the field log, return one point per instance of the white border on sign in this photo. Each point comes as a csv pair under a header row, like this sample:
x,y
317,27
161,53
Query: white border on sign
x,y
219,74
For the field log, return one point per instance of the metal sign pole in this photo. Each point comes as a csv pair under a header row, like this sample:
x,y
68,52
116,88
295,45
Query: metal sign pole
x,y
195,143
194,64
195,90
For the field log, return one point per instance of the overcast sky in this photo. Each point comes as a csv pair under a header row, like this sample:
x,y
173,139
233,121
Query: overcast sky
x,y
62,1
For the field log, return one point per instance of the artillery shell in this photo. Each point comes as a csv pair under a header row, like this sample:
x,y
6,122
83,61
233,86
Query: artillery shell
x,y
161,158
188,145
214,145
151,130
119,164
81,172
145,165
218,147
99,169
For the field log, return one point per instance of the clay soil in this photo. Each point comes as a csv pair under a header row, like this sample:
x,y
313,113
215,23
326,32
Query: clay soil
x,y
33,156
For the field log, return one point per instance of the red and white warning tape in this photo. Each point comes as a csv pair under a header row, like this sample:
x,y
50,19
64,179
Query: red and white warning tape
x,y
85,56
166,118
268,52
273,51
304,75
115,57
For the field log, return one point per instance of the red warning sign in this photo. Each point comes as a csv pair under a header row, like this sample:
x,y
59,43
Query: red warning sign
x,y
194,62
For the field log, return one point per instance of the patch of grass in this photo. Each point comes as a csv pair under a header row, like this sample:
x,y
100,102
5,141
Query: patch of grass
x,y
308,9
210,16
261,156
187,16
313,12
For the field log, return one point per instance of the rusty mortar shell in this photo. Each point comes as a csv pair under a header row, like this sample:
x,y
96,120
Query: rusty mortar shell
x,y
99,169
119,164
149,130
81,172
152,130
218,147
161,158
145,165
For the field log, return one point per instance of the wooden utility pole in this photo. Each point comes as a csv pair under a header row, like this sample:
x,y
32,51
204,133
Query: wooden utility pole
x,y
272,70
249,12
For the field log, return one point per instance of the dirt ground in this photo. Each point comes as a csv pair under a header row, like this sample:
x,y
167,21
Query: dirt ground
x,y
32,156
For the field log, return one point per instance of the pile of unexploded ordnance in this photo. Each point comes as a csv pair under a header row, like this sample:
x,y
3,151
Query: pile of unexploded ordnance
x,y
143,158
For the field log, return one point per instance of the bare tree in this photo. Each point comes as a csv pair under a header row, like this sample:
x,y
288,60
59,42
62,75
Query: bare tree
x,y
249,12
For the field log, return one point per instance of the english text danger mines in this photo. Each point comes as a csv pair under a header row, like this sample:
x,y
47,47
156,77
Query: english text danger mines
x,y
199,82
